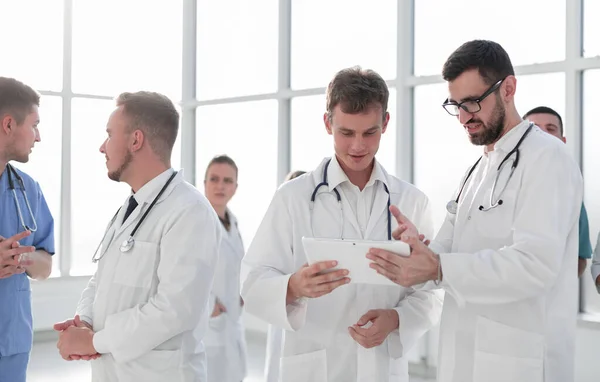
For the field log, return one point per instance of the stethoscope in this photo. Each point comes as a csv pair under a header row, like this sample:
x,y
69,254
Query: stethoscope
x,y
452,205
339,200
10,172
126,245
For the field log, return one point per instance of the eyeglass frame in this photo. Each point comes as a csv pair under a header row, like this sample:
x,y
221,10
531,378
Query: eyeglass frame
x,y
478,101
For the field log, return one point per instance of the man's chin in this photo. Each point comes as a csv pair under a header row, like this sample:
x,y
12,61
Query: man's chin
x,y
114,176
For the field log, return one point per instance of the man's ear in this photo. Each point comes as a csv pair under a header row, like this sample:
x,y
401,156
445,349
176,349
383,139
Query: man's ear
x,y
8,123
138,140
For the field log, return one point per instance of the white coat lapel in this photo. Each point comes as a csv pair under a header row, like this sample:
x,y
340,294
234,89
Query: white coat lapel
x,y
143,206
122,225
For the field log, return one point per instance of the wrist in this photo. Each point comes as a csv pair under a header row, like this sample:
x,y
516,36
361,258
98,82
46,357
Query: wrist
x,y
436,274
291,294
395,318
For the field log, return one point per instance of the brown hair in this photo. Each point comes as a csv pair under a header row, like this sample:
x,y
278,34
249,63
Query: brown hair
x,y
221,159
356,90
17,99
156,116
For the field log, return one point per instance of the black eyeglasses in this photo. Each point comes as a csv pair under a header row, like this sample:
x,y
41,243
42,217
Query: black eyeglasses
x,y
470,106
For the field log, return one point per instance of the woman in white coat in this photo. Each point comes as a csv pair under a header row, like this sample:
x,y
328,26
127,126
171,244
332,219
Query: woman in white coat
x,y
224,341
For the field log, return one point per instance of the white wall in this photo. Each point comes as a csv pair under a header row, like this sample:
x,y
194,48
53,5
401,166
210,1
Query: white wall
x,y
55,300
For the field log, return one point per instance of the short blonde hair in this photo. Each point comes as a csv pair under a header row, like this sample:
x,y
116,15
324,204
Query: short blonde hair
x,y
155,115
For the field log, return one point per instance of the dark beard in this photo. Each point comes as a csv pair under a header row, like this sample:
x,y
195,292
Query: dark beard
x,y
116,175
492,130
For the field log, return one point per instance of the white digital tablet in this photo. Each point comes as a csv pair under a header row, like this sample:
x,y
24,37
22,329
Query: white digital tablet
x,y
352,255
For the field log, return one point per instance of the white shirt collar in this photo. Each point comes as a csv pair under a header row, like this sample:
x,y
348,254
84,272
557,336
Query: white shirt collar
x,y
149,190
336,175
508,141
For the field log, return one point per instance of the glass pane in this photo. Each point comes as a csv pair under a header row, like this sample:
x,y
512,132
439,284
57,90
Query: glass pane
x,y
257,162
439,135
45,164
591,164
438,34
591,28
236,55
33,53
94,197
541,90
130,52
442,151
308,130
330,35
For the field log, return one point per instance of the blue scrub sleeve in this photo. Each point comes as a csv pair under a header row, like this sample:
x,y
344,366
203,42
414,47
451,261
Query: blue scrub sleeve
x,y
43,238
585,246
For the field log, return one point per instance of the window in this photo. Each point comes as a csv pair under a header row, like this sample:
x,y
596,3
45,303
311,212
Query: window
x,y
541,90
591,28
308,130
237,48
45,164
438,33
94,197
247,132
443,153
591,163
32,42
138,49
442,150
330,35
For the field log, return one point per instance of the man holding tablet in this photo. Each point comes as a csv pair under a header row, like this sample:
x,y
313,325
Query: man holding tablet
x,y
335,329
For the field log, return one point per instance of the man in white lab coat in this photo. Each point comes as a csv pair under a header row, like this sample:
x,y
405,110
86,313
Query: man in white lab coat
x,y
140,315
504,254
338,331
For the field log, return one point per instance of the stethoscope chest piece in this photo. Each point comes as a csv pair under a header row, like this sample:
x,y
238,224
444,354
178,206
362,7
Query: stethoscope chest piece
x,y
126,245
452,207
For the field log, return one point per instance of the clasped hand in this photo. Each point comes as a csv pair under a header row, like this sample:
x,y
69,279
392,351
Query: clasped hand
x,y
76,340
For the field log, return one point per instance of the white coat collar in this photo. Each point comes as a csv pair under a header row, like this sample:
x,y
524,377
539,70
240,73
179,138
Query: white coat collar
x,y
336,175
149,190
508,141
147,193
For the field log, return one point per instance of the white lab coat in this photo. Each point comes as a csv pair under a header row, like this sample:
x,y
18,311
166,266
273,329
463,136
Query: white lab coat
x,y
509,273
148,306
273,353
225,339
316,344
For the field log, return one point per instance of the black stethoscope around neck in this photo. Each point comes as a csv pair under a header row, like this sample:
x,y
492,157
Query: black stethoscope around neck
x,y
10,173
339,200
128,244
452,206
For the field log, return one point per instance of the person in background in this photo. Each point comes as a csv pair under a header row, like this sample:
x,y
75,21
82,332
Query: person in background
x,y
225,342
275,335
26,227
550,121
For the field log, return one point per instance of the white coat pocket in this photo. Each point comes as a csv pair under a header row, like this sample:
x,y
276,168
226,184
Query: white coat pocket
x,y
154,366
506,353
137,266
304,367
